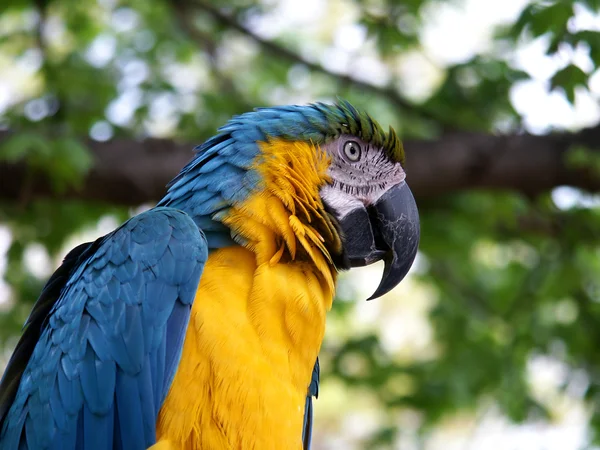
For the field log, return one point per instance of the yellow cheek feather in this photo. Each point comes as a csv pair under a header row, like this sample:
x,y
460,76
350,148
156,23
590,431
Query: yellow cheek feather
x,y
259,315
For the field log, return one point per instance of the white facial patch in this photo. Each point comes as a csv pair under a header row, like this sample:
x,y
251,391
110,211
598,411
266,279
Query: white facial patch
x,y
341,202
361,182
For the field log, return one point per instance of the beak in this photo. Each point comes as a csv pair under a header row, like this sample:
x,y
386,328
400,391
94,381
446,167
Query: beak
x,y
388,230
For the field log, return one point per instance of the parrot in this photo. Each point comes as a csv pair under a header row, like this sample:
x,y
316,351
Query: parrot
x,y
197,323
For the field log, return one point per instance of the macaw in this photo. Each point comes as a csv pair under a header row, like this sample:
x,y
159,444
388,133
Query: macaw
x,y
197,324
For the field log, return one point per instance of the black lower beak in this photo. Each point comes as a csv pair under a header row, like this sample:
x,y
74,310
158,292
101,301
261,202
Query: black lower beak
x,y
388,230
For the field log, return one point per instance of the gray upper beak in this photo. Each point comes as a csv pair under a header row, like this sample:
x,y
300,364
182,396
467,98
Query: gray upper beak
x,y
388,230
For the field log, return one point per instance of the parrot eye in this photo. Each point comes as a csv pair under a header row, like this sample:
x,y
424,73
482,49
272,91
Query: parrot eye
x,y
352,151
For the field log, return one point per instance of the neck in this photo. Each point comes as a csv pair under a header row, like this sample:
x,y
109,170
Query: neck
x,y
285,221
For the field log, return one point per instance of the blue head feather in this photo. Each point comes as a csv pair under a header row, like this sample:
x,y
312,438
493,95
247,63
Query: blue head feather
x,y
220,174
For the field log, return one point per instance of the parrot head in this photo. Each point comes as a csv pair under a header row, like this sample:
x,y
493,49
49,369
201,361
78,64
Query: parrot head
x,y
373,205
321,182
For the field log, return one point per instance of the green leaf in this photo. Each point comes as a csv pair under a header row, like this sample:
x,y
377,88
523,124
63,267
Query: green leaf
x,y
593,5
70,162
582,157
542,18
592,40
25,145
568,79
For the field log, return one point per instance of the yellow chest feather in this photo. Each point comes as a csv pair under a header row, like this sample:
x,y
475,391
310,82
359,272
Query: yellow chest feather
x,y
254,335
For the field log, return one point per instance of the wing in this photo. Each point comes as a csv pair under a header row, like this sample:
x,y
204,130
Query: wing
x,y
313,391
109,327
33,325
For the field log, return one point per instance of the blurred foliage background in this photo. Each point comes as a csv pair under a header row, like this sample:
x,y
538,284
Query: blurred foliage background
x,y
492,342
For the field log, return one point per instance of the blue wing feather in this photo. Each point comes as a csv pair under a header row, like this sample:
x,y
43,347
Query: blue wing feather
x,y
102,344
313,391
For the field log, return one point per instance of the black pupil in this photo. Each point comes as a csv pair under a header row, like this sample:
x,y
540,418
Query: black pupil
x,y
352,150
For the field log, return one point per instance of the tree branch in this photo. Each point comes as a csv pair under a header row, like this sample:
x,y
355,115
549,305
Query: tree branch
x,y
184,17
130,172
274,49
